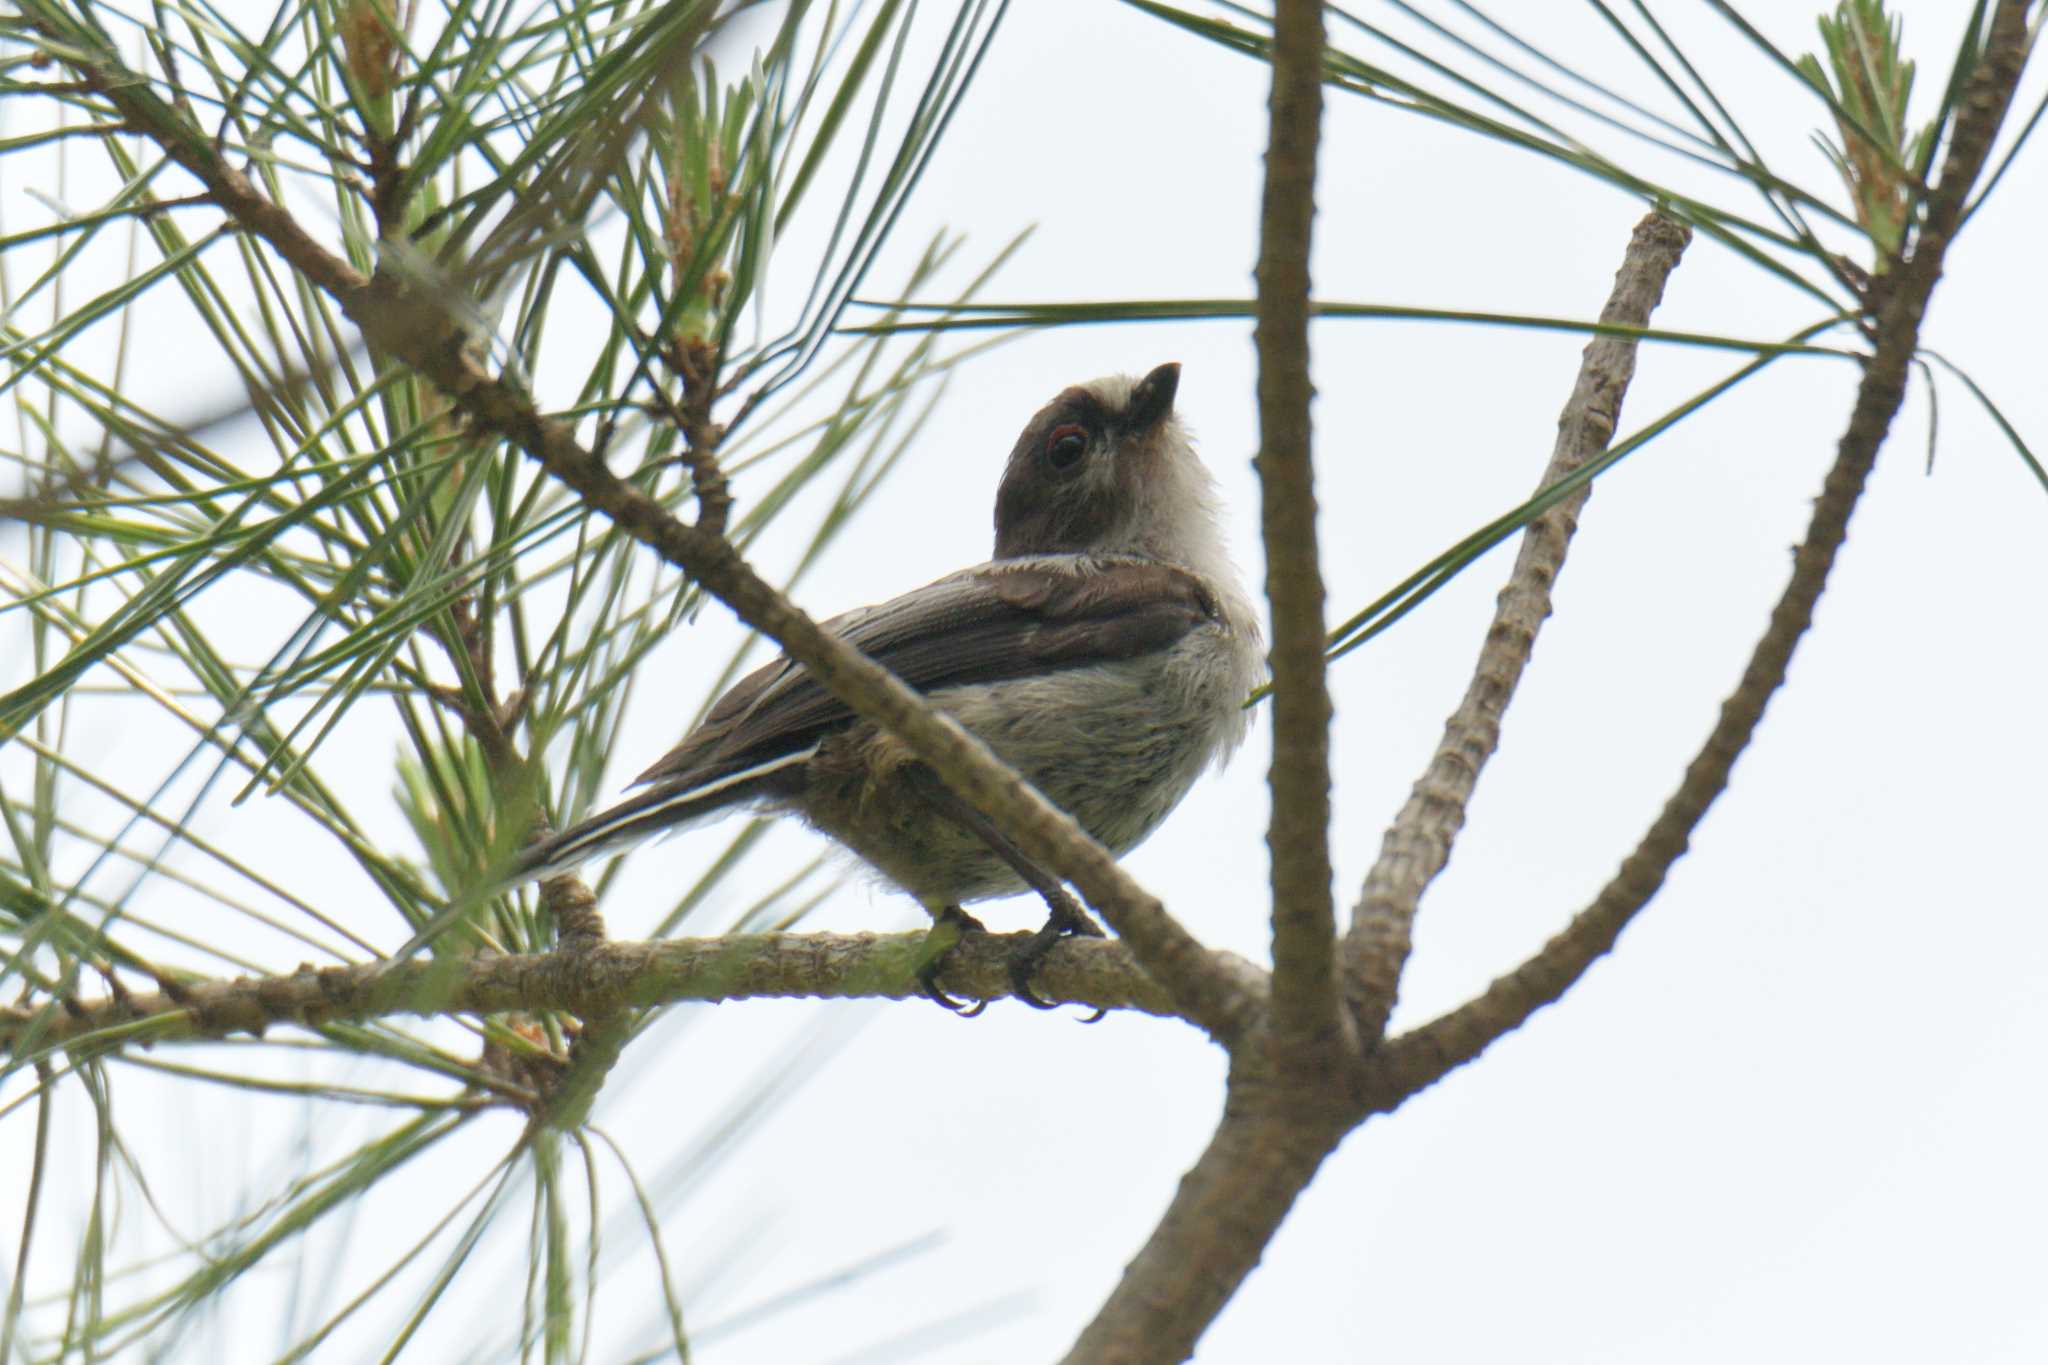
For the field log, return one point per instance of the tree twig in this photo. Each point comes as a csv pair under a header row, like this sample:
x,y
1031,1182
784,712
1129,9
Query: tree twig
x,y
1418,844
419,327
606,1028
1226,1210
607,976
1305,1014
1419,1058
1287,1105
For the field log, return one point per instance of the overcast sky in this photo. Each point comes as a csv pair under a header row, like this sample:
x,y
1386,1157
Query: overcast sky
x,y
1797,1115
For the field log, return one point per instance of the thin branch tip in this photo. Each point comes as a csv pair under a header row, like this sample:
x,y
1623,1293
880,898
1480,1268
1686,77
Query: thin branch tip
x,y
1417,846
1418,1059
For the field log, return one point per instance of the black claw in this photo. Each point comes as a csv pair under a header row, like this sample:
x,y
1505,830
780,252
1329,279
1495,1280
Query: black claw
x,y
928,975
1066,918
1020,984
928,983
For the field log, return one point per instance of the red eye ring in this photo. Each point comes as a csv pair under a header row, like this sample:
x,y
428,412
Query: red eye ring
x,y
1067,444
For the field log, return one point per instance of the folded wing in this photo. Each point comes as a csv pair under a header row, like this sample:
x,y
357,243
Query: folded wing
x,y
999,621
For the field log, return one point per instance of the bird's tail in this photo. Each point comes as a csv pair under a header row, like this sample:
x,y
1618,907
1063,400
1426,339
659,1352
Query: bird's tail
x,y
663,809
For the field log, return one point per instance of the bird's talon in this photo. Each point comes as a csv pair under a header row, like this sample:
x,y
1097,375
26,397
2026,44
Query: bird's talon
x,y
928,981
947,1002
1020,986
952,919
1025,960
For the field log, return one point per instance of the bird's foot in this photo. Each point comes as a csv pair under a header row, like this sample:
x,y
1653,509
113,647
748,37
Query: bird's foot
x,y
1067,919
948,925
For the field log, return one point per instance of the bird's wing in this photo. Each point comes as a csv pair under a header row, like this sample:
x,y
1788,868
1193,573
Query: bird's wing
x,y
992,623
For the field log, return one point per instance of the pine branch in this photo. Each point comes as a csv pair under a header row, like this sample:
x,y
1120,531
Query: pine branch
x,y
1298,837
592,981
1420,1058
422,329
1417,846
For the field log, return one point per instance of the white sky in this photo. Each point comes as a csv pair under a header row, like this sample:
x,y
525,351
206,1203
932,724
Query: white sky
x,y
1797,1115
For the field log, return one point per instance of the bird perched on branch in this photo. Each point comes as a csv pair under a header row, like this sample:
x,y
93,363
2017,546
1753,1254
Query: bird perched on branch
x,y
1105,652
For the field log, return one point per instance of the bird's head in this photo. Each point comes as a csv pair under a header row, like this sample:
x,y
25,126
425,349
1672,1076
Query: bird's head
x,y
1107,468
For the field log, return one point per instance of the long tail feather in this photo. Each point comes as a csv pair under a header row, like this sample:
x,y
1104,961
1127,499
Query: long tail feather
x,y
661,810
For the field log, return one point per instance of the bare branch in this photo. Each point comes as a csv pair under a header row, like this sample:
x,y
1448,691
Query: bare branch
x,y
418,327
1226,1209
1418,844
579,928
1304,911
1418,1059
1287,1104
696,361
590,982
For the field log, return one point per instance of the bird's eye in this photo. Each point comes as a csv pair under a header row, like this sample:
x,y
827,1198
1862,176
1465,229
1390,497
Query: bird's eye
x,y
1066,445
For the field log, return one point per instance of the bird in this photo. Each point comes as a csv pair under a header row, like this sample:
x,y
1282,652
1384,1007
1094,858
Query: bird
x,y
1105,651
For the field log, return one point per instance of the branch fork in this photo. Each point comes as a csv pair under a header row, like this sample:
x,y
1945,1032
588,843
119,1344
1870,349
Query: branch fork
x,y
1309,1055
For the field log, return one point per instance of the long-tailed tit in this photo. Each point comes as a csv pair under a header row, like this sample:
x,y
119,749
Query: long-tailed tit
x,y
1105,652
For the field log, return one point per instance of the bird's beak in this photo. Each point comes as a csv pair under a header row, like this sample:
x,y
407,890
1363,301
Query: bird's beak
x,y
1152,400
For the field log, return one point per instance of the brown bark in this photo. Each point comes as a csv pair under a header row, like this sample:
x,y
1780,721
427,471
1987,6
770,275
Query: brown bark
x,y
589,981
1420,1058
1298,835
418,327
1417,845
